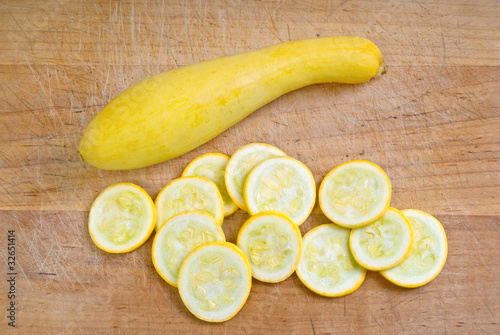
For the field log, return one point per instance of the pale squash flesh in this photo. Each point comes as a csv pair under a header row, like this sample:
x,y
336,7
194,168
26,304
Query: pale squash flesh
x,y
169,114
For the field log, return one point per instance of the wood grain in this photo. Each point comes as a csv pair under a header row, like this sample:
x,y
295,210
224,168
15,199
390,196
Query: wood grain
x,y
432,122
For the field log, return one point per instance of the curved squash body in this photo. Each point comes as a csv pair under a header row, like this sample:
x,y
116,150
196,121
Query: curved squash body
x,y
169,114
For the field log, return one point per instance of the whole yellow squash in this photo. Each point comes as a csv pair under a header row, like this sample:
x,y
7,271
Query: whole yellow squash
x,y
169,114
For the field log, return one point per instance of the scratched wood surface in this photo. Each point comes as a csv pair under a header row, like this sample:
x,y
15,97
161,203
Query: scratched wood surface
x,y
432,122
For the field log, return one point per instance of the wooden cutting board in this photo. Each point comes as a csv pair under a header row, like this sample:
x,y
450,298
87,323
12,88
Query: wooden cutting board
x,y
432,122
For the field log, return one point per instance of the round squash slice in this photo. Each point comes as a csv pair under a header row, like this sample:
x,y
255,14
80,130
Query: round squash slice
x,y
281,184
121,218
383,244
214,281
272,244
355,194
326,266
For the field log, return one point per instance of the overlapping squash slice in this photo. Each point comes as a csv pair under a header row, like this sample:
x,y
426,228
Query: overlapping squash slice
x,y
272,244
428,255
177,237
383,244
355,194
187,194
241,163
326,266
214,281
213,167
281,184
